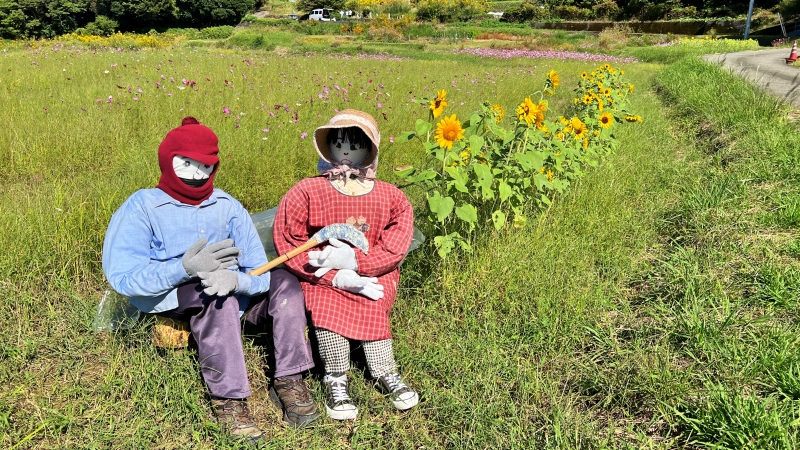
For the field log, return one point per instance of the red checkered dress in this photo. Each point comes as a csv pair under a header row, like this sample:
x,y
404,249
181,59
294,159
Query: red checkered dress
x,y
389,226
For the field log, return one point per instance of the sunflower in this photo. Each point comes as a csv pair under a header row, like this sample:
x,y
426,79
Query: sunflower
x,y
585,142
550,176
438,104
606,120
554,78
563,120
448,131
499,112
584,75
587,99
633,118
560,136
630,89
527,111
579,128
540,114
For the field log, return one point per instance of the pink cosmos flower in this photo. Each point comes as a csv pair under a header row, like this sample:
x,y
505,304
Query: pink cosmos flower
x,y
303,135
380,105
226,110
391,139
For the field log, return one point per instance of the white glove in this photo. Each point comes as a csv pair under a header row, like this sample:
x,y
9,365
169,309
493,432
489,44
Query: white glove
x,y
338,255
352,282
219,282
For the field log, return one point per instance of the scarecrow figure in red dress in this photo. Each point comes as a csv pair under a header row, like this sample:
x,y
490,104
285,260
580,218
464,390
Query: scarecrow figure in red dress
x,y
349,293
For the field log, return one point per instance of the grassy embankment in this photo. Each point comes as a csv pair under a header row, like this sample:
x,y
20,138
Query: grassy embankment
x,y
649,307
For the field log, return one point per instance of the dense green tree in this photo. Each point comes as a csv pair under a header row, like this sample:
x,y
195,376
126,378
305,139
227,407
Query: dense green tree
x,y
138,14
42,18
205,13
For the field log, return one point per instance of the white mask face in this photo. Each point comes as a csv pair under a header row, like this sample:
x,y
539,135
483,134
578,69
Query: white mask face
x,y
190,169
345,153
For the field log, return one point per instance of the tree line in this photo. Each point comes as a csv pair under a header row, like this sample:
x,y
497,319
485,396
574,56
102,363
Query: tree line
x,y
49,18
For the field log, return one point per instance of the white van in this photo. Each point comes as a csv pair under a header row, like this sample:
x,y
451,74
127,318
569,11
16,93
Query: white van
x,y
322,14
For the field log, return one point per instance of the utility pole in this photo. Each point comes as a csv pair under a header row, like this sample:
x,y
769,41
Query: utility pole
x,y
749,17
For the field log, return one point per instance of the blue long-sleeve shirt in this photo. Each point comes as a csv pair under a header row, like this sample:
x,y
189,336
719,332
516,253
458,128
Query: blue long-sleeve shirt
x,y
150,232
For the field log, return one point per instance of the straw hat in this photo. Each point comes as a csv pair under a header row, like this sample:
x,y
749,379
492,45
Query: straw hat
x,y
344,119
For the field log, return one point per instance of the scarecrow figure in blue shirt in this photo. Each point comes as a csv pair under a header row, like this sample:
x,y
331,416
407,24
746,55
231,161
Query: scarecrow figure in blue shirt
x,y
182,250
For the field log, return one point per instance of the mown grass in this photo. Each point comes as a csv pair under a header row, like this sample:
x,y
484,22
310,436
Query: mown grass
x,y
652,306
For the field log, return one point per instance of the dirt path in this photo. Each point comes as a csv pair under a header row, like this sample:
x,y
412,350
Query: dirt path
x,y
766,68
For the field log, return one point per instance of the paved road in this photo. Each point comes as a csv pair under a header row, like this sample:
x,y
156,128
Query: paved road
x,y
766,68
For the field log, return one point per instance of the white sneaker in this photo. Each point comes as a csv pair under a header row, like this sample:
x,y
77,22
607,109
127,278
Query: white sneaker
x,y
338,403
402,396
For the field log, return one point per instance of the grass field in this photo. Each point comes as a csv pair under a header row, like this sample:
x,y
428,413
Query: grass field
x,y
652,306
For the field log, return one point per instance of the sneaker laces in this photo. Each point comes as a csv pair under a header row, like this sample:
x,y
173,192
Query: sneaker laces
x,y
394,382
303,395
338,388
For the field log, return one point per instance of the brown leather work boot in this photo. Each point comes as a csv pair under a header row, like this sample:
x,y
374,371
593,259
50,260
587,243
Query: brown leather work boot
x,y
235,417
294,399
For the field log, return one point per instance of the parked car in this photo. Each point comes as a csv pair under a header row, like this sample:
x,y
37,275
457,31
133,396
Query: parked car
x,y
322,14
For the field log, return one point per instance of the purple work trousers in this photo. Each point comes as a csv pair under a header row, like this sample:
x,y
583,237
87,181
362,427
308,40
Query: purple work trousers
x,y
217,329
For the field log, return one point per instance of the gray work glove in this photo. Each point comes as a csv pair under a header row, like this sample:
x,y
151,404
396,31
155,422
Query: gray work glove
x,y
208,259
220,282
338,255
352,282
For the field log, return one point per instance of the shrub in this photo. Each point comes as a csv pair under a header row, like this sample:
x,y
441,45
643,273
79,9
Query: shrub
x,y
572,12
102,26
526,12
606,10
450,10
222,32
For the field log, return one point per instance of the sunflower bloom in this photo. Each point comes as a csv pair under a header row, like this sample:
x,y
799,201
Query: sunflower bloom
x,y
633,118
527,111
584,75
555,80
438,104
448,131
499,112
587,99
606,120
585,142
550,176
630,89
560,136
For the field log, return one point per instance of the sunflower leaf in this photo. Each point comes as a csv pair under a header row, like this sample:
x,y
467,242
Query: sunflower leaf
x,y
441,206
468,213
499,219
422,127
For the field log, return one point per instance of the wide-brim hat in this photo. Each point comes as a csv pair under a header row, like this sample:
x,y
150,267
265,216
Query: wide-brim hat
x,y
345,119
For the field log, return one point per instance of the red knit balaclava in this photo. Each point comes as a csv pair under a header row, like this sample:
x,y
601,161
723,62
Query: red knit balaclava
x,y
194,141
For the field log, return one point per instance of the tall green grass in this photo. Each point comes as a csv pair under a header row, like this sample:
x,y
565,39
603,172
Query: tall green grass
x,y
77,144
654,305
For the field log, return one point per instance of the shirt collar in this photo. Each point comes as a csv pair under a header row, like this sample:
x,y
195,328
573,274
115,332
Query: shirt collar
x,y
162,198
